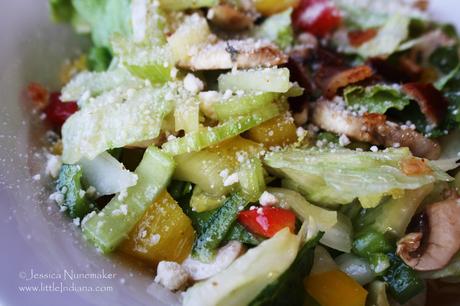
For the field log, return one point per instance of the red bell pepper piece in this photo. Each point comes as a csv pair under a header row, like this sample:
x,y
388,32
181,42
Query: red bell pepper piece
x,y
319,17
267,221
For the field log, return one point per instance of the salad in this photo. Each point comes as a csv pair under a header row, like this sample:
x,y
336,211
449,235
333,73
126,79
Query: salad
x,y
290,152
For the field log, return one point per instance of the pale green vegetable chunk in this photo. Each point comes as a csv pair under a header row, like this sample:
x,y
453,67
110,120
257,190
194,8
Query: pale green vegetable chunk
x,y
109,227
251,177
179,5
246,277
265,80
339,237
136,115
278,29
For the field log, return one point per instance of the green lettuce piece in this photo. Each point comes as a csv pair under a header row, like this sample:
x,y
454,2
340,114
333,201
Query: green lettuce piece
x,y
337,176
105,18
375,99
389,37
115,119
61,10
278,29
364,14
99,59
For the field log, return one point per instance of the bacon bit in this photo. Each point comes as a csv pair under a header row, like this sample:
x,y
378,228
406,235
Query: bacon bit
x,y
374,119
331,79
230,18
38,95
415,166
357,38
432,102
422,4
390,72
410,66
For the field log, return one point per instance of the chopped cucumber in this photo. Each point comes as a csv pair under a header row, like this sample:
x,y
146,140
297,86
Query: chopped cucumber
x,y
217,227
265,80
106,174
356,267
288,288
242,105
180,5
69,185
369,243
251,177
108,228
205,137
246,277
325,219
202,201
192,33
239,233
135,115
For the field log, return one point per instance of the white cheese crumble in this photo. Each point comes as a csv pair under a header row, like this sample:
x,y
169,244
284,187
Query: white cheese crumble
x,y
300,132
154,239
57,197
374,149
123,210
76,221
193,84
36,177
231,179
344,140
171,275
268,199
53,165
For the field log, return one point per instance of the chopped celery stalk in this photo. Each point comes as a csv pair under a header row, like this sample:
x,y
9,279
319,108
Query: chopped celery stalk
x,y
187,115
69,185
251,177
278,29
217,227
153,63
339,236
247,276
377,294
92,84
265,80
288,288
369,243
108,228
106,174
356,267
242,105
201,201
394,215
192,33
403,282
337,176
325,219
239,233
206,137
180,5
114,120
209,168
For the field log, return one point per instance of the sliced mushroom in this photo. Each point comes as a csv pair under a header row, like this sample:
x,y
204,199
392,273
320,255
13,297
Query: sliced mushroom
x,y
229,18
371,128
242,54
443,242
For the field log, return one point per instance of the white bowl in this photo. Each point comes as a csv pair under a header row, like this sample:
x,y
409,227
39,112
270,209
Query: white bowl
x,y
34,235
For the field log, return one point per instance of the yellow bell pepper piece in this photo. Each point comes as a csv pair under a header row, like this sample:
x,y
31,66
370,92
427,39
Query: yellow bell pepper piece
x,y
270,7
335,288
279,131
163,233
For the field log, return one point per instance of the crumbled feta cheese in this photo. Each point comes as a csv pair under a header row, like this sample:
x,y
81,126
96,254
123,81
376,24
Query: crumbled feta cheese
x,y
122,195
123,210
171,275
396,145
76,221
231,179
227,94
224,173
174,72
260,211
193,84
36,177
374,149
53,165
171,137
300,132
81,193
57,197
87,217
154,239
268,199
344,140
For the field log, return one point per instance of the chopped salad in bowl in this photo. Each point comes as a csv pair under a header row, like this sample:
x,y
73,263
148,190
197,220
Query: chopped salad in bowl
x,y
263,152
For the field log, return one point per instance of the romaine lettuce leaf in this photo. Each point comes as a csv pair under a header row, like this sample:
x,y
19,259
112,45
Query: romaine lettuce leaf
x,y
375,99
115,119
277,28
339,176
105,18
